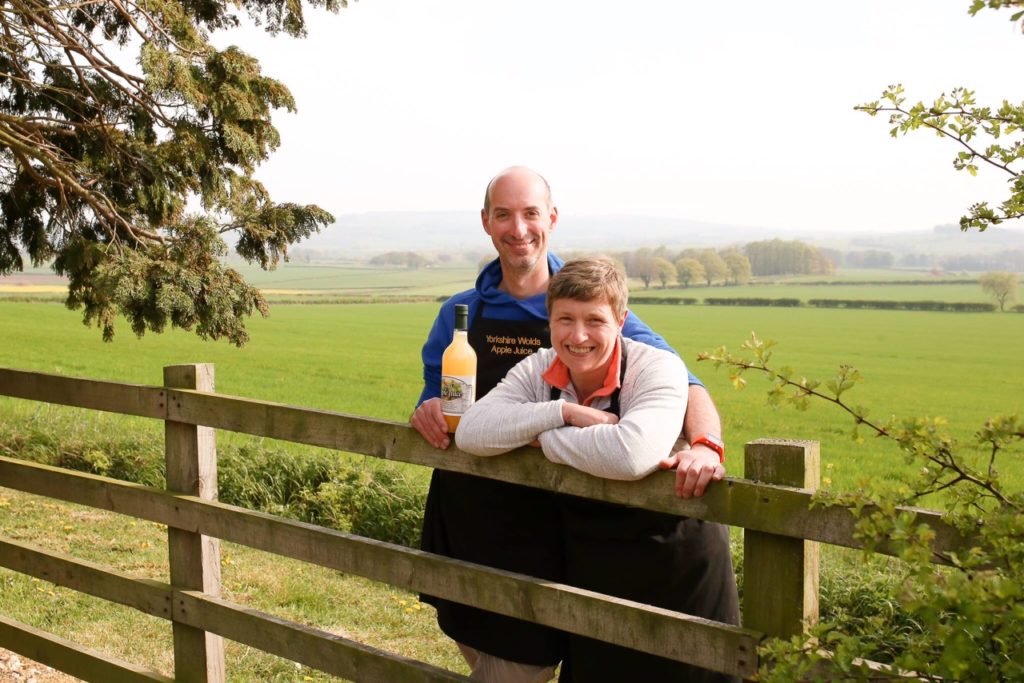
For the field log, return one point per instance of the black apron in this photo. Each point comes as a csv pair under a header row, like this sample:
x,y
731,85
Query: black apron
x,y
651,557
494,523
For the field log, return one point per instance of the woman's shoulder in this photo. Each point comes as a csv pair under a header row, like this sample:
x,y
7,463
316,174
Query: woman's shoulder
x,y
648,361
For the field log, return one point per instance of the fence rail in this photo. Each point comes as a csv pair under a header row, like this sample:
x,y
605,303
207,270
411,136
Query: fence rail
x,y
780,550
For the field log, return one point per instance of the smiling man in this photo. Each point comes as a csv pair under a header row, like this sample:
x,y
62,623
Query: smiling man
x,y
505,525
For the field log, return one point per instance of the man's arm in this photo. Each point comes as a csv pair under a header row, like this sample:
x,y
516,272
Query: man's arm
x,y
699,465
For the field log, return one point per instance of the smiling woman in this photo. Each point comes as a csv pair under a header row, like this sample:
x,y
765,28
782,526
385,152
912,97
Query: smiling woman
x,y
611,407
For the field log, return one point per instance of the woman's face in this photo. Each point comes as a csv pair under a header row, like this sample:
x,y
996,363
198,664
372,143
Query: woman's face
x,y
583,334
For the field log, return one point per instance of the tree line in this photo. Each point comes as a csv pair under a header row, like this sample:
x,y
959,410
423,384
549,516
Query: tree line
x,y
734,265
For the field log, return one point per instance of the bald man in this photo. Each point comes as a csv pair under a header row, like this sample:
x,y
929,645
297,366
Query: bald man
x,y
505,525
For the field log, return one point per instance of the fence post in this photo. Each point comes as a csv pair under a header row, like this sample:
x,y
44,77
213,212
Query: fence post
x,y
191,460
780,574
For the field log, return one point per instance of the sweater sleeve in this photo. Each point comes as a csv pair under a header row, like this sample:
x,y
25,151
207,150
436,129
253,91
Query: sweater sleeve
x,y
512,414
652,416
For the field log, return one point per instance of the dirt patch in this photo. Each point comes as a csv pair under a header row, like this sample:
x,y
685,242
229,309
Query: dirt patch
x,y
17,669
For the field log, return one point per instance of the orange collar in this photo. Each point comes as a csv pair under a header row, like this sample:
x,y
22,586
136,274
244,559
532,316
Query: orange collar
x,y
557,375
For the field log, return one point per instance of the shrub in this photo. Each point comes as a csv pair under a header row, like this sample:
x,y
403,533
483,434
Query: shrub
x,y
376,501
321,487
750,301
958,307
684,300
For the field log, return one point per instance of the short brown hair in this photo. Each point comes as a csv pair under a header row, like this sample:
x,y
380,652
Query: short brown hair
x,y
590,279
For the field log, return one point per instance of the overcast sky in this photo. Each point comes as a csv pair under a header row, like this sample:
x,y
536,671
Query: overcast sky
x,y
733,112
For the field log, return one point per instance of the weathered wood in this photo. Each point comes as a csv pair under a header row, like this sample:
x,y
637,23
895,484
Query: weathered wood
x,y
781,510
648,629
113,397
310,646
773,509
191,458
78,661
780,574
299,643
146,595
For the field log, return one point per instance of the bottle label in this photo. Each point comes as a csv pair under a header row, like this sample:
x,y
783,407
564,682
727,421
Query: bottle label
x,y
457,394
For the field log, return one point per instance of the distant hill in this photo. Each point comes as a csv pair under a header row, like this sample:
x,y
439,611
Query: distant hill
x,y
438,231
365,234
941,240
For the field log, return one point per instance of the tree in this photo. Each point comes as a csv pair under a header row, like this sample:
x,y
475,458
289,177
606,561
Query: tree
x,y
967,613
966,609
786,257
870,258
985,136
689,269
1002,287
641,264
738,266
127,179
664,271
714,266
410,259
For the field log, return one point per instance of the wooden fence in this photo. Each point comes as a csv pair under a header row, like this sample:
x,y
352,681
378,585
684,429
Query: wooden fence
x,y
780,545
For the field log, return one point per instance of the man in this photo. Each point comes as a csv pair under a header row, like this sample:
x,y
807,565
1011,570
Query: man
x,y
611,407
506,525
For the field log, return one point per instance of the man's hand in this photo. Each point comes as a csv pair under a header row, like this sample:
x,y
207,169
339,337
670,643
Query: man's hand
x,y
695,469
584,416
429,421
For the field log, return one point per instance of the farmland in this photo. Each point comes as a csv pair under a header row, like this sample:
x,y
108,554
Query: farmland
x,y
364,359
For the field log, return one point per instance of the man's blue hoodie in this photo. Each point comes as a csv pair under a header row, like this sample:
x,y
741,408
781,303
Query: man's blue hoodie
x,y
503,306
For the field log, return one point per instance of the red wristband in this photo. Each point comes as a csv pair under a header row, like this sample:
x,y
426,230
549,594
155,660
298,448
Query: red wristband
x,y
713,442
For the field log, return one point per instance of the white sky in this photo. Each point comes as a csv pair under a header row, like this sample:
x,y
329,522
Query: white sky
x,y
733,112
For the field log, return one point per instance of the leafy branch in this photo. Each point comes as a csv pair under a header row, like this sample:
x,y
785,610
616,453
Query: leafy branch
x,y
114,172
920,438
959,118
967,613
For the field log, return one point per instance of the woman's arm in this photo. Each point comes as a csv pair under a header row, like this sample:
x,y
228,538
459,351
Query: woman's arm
x,y
653,404
512,414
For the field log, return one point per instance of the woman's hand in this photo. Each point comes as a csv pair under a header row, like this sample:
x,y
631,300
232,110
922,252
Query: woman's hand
x,y
583,416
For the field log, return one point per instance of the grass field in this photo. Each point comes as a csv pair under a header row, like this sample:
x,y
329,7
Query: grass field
x,y
350,606
325,280
364,359
956,292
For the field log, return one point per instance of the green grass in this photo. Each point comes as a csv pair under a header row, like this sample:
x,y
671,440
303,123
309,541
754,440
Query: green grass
x,y
959,366
364,359
356,358
357,279
353,607
954,292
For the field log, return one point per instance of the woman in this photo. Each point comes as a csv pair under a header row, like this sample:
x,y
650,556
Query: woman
x,y
613,408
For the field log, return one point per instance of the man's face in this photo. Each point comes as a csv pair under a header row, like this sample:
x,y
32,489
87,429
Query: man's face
x,y
520,221
583,334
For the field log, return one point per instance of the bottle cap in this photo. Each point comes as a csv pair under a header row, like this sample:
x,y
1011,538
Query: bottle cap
x,y
461,316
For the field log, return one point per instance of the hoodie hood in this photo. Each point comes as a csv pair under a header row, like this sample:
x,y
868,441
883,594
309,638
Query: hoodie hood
x,y
490,277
